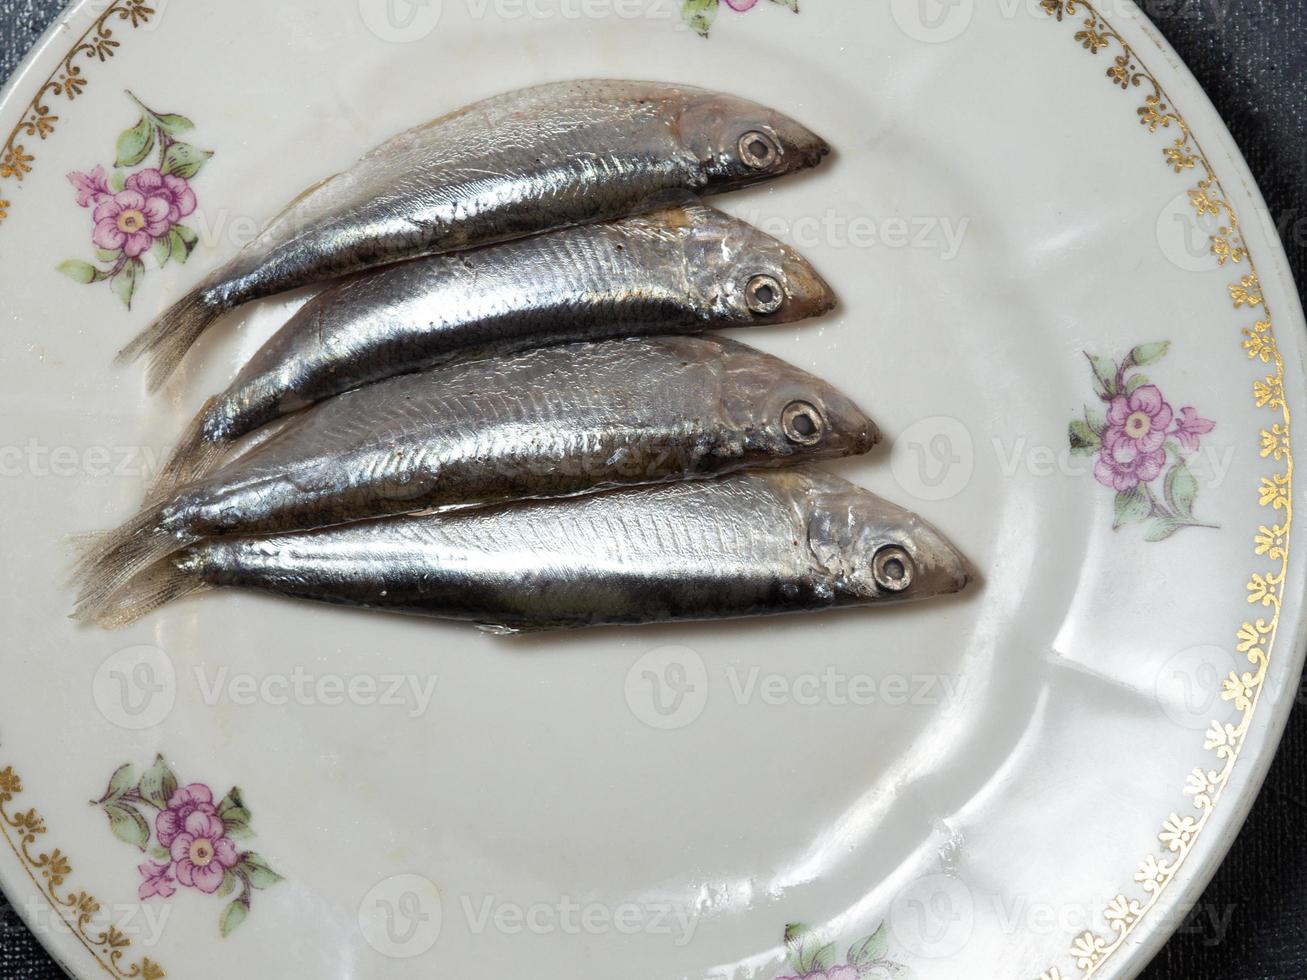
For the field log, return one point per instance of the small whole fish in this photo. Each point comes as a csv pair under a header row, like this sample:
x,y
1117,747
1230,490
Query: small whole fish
x,y
682,269
549,157
543,423
752,544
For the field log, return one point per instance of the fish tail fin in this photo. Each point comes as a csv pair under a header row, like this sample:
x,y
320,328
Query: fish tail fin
x,y
195,455
110,559
157,585
165,342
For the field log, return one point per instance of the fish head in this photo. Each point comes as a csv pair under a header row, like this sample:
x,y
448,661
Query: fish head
x,y
739,143
748,278
783,414
875,551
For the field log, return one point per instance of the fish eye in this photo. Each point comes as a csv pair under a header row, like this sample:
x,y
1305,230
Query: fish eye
x,y
765,295
803,424
892,568
759,151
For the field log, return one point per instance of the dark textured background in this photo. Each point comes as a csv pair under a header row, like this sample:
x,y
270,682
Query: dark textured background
x,y
1252,59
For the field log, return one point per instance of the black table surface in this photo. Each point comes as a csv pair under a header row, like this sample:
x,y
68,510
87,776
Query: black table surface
x,y
1251,57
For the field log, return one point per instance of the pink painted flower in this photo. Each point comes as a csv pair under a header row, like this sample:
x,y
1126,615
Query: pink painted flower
x,y
741,5
175,190
195,798
834,973
1143,418
1137,427
92,188
158,881
130,221
203,853
1188,427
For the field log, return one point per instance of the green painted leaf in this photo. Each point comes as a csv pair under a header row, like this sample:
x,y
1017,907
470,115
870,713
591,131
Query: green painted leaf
x,y
700,14
229,883
123,779
257,871
135,144
239,830
124,283
158,785
162,251
179,247
108,255
1146,354
823,959
1105,374
1181,490
1096,420
118,180
232,917
1084,440
1132,506
188,236
173,124
234,814
1161,530
232,806
792,4
82,272
184,160
1136,382
871,949
160,854
128,825
799,941
806,954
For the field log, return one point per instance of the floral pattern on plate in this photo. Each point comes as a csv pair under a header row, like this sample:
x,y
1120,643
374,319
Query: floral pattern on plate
x,y
700,15
139,209
867,959
1141,445
189,839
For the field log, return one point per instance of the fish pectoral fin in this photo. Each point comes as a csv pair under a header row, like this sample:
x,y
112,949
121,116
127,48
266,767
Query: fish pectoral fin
x,y
493,629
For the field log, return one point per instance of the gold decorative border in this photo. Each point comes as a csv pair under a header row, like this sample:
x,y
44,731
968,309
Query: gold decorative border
x,y
1255,639
67,80
48,871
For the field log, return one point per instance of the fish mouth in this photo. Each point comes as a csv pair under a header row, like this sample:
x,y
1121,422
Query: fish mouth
x,y
869,438
962,573
818,151
968,574
811,296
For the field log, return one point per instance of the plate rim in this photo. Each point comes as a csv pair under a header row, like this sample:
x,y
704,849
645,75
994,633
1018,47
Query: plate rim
x,y
1142,943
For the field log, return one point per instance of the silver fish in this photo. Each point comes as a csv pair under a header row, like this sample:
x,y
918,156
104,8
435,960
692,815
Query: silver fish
x,y
752,544
547,422
683,269
549,157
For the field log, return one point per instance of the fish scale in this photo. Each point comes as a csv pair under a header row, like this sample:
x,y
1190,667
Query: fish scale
x,y
514,166
548,422
681,269
628,556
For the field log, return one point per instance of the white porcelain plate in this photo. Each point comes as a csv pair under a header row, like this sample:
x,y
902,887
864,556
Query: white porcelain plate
x,y
1061,299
